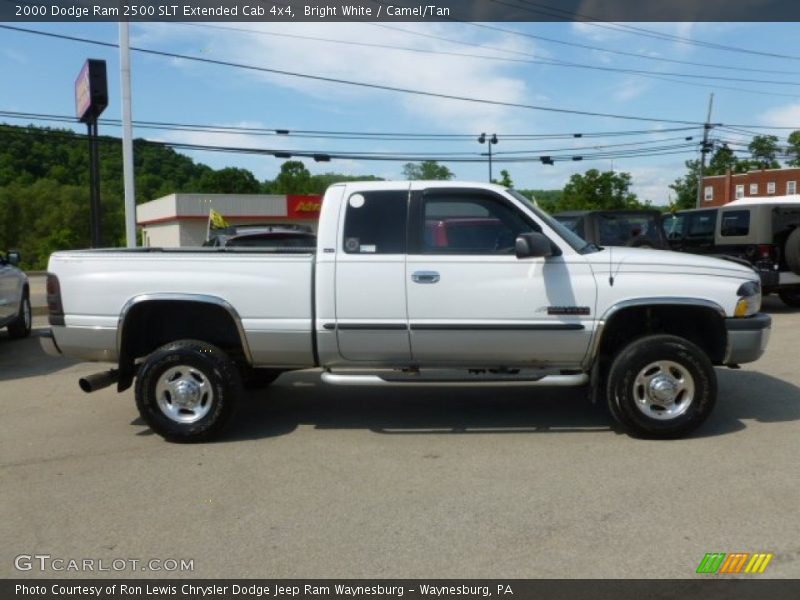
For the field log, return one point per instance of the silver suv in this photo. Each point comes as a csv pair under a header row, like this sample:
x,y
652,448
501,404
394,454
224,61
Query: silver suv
x,y
764,232
15,298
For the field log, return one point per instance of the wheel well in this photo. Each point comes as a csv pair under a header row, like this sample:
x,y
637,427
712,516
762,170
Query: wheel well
x,y
151,324
703,326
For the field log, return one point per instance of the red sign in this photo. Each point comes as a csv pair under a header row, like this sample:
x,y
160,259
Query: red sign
x,y
303,206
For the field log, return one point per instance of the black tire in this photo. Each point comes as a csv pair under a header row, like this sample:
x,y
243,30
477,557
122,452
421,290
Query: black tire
x,y
790,297
680,364
792,251
21,326
258,379
217,386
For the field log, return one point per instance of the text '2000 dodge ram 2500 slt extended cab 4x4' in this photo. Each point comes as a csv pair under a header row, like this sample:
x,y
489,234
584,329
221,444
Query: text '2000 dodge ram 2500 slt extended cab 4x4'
x,y
412,283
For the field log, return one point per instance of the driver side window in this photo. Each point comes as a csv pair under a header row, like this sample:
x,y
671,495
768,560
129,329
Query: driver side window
x,y
470,225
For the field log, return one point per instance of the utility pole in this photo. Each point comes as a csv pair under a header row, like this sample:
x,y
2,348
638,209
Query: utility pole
x,y
127,133
492,140
704,150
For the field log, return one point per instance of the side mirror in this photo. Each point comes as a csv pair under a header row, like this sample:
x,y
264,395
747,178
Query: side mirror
x,y
533,245
13,257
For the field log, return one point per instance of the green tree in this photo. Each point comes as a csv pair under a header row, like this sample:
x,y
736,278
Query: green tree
x,y
724,160
548,200
294,178
505,179
793,149
764,150
427,169
44,186
593,189
229,180
685,188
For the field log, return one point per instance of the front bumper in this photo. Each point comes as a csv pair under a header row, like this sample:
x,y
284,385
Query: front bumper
x,y
747,338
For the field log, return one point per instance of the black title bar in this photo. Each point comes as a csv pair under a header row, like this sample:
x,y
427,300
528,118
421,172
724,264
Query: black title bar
x,y
703,587
399,10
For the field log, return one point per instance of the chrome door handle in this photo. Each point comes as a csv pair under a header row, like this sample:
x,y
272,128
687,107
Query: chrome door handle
x,y
425,277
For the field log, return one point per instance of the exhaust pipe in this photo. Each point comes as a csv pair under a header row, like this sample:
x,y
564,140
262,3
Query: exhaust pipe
x,y
98,381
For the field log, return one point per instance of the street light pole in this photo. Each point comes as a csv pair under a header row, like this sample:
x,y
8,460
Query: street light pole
x,y
127,134
492,140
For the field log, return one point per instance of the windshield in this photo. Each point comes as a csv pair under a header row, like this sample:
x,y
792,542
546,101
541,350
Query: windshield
x,y
573,239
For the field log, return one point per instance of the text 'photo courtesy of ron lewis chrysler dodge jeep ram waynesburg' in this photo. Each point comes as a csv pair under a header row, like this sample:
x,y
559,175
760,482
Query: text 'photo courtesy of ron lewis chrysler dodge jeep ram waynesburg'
x,y
411,283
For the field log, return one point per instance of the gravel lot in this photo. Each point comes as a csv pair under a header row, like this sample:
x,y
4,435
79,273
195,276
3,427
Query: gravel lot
x,y
314,481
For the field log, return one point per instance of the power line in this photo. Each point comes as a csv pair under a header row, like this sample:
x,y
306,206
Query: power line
x,y
483,46
635,30
667,76
325,156
351,135
354,83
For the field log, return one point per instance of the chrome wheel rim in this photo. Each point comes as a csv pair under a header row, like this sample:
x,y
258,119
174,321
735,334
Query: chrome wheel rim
x,y
184,394
663,390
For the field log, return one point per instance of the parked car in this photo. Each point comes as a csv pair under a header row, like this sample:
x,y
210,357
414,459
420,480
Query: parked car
x,y
633,228
280,235
385,301
15,303
761,232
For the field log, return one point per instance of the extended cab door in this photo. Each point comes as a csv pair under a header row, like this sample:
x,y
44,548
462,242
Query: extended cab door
x,y
371,320
471,301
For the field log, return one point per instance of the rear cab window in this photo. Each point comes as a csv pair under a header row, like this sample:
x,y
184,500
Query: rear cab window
x,y
375,223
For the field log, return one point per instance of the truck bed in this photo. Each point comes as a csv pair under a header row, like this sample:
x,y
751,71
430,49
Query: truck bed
x,y
269,290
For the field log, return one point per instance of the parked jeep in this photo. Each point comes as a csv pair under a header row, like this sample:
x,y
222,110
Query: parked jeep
x,y
633,228
763,232
15,303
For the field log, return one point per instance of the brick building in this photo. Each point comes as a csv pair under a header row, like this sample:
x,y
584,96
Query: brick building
x,y
721,189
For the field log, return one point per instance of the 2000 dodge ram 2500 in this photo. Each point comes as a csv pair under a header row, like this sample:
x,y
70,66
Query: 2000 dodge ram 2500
x,y
412,283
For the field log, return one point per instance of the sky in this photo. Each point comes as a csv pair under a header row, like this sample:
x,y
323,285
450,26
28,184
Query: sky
x,y
506,63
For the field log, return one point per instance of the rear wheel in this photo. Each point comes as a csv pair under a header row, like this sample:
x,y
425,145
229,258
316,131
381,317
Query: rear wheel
x,y
661,386
186,391
21,326
790,297
792,251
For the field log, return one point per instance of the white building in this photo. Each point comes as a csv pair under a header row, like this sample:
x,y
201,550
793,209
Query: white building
x,y
182,219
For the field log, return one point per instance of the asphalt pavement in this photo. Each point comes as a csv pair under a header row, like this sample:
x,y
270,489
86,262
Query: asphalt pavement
x,y
318,481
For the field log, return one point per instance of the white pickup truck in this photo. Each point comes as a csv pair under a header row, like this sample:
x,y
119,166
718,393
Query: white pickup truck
x,y
411,283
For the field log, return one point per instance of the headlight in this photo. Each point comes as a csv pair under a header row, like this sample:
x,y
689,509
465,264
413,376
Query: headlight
x,y
749,302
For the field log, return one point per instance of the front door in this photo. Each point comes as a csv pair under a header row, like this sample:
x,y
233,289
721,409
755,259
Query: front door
x,y
472,302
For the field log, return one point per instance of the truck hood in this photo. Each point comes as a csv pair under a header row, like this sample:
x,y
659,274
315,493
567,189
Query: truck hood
x,y
629,260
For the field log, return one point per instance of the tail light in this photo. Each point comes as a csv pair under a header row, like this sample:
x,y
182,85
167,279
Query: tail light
x,y
765,251
55,309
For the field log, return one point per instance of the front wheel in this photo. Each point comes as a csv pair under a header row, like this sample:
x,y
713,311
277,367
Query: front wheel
x,y
661,386
21,326
186,391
